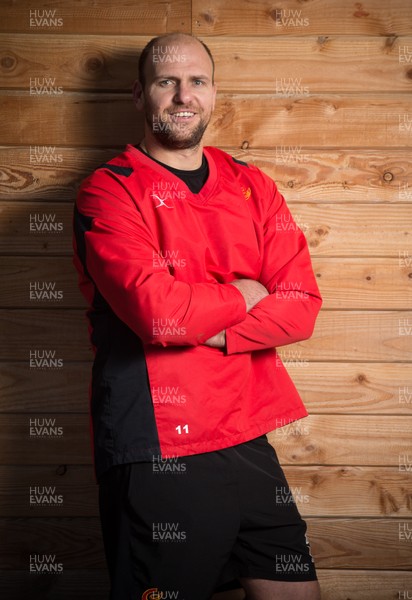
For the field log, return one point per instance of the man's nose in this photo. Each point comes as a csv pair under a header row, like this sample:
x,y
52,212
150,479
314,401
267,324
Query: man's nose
x,y
183,93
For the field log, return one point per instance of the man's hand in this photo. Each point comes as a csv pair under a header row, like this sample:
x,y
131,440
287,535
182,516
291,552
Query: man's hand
x,y
217,341
251,290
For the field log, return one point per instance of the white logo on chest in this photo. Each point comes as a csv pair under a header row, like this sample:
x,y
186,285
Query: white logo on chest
x,y
162,201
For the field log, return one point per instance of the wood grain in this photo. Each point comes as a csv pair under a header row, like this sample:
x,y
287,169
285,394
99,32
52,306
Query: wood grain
x,y
335,543
78,63
359,336
382,230
344,440
322,64
326,175
23,273
41,439
360,543
100,17
326,387
48,438
351,388
320,491
366,283
242,120
350,336
355,283
351,491
326,17
302,174
47,172
48,491
362,585
26,390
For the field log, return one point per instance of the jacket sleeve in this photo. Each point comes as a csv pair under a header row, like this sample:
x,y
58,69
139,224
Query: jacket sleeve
x,y
117,249
288,314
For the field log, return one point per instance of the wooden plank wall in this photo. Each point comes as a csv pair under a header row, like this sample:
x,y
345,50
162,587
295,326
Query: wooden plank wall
x,y
317,94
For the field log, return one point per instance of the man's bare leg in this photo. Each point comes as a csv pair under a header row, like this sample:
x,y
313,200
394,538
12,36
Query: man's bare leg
x,y
264,589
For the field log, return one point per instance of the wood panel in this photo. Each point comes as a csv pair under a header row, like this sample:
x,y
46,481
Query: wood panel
x,y
367,283
320,64
352,491
351,388
352,283
326,387
330,229
302,174
364,585
50,491
326,175
22,273
32,439
77,63
42,439
321,491
360,336
381,336
292,17
62,332
247,121
360,543
27,390
83,585
47,172
100,16
336,543
343,440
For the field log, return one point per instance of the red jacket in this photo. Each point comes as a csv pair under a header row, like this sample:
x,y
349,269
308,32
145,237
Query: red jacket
x,y
155,262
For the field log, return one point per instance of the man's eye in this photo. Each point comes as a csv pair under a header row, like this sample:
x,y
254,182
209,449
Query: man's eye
x,y
199,82
165,82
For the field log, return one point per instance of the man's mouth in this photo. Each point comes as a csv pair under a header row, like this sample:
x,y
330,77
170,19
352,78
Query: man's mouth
x,y
182,114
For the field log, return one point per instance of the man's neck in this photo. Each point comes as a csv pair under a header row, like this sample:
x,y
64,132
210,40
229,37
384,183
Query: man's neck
x,y
188,159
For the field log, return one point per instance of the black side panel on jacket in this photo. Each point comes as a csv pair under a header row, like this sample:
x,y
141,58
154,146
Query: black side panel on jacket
x,y
121,401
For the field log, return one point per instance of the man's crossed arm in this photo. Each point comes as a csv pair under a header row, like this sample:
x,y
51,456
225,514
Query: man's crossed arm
x,y
252,292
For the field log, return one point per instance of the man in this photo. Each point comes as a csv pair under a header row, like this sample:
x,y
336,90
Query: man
x,y
195,271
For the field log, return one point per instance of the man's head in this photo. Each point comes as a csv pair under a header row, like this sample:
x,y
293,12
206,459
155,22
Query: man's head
x,y
175,90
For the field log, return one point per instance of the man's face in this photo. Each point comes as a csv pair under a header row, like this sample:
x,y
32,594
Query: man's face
x,y
179,96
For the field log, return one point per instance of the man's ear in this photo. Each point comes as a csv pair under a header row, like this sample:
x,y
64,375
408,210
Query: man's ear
x,y
138,96
214,96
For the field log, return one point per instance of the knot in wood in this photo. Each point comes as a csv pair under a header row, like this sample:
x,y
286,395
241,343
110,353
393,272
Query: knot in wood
x,y
8,62
208,17
388,176
93,64
276,14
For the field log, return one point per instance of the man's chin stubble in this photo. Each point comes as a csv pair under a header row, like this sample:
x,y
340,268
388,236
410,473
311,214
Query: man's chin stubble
x,y
168,139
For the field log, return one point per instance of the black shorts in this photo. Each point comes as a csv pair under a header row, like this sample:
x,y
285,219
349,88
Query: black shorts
x,y
183,527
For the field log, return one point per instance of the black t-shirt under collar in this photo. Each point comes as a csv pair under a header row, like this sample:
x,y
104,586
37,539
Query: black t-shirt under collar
x,y
194,179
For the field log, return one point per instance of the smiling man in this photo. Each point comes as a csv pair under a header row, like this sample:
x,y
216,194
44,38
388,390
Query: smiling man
x,y
195,272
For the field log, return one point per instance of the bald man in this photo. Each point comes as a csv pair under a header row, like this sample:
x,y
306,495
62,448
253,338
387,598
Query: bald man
x,y
195,271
